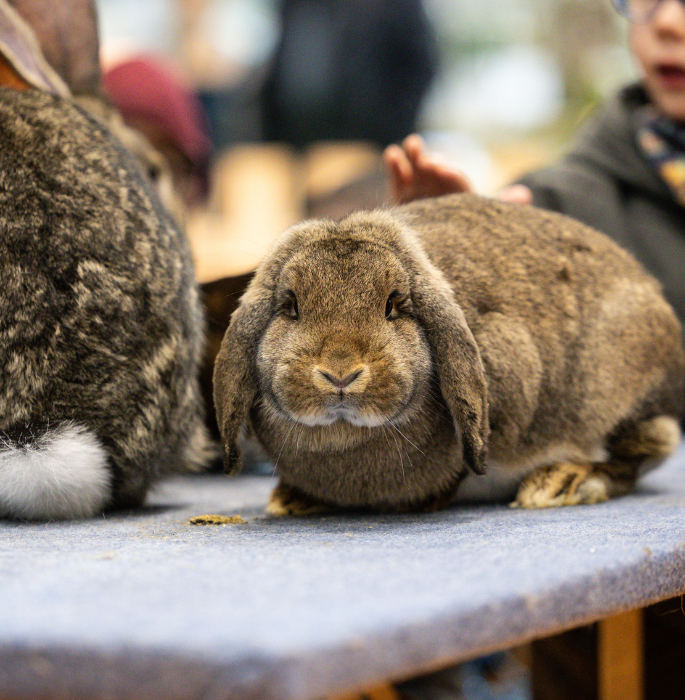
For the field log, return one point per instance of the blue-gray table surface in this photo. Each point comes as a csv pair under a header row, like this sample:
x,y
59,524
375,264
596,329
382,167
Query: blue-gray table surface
x,y
144,605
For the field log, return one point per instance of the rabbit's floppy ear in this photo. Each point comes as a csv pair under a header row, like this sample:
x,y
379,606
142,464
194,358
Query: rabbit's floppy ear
x,y
24,64
456,356
235,372
235,384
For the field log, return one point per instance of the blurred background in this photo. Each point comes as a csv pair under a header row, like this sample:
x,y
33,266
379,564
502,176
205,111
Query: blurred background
x,y
270,111
297,98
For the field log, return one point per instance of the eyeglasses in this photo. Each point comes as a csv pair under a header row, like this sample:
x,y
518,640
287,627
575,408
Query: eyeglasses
x,y
639,11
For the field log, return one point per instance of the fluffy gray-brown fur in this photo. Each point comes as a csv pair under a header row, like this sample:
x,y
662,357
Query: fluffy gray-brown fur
x,y
381,358
101,328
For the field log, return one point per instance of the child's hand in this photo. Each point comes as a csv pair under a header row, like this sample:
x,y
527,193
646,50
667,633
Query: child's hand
x,y
517,194
414,174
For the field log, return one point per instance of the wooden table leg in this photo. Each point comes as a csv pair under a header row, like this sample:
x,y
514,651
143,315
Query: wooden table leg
x,y
620,657
380,692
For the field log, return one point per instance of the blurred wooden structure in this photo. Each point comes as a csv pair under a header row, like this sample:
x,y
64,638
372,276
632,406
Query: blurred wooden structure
x,y
258,190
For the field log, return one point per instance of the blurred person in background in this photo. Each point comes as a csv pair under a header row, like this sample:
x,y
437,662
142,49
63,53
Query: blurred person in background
x,y
625,174
348,70
154,99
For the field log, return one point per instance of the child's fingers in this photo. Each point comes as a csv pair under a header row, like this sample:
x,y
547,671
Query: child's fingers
x,y
447,178
517,194
399,174
414,147
397,164
413,173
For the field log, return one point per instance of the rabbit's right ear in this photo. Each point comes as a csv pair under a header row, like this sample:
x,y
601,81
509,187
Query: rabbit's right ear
x,y
235,384
24,64
456,355
235,370
458,364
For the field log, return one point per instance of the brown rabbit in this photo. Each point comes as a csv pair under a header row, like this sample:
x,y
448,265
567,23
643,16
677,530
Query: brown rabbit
x,y
382,358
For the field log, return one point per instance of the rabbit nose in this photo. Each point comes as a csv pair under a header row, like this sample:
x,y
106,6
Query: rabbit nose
x,y
349,380
339,382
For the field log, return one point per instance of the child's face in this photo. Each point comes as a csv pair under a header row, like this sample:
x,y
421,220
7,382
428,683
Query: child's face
x,y
659,46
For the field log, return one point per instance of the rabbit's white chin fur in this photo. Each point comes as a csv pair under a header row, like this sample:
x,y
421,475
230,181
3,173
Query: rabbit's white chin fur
x,y
349,415
62,473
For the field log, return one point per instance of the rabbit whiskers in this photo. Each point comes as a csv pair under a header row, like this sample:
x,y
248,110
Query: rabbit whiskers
x,y
389,424
285,439
388,428
396,429
399,451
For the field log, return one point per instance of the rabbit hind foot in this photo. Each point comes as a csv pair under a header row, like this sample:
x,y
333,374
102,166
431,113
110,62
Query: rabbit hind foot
x,y
633,450
289,500
565,484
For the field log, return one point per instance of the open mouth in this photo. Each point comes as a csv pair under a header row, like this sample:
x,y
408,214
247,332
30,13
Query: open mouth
x,y
671,74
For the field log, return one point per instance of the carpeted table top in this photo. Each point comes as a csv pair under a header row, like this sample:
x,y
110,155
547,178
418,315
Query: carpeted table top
x,y
145,605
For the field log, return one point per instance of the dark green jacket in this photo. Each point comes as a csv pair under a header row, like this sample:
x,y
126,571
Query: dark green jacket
x,y
607,183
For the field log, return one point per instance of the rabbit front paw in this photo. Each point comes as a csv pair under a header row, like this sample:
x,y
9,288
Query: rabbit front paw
x,y
562,484
288,500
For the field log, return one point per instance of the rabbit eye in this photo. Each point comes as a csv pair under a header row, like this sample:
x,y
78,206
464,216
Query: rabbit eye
x,y
391,306
289,306
397,303
154,172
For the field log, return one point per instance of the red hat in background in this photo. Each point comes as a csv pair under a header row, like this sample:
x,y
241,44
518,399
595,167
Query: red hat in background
x,y
144,87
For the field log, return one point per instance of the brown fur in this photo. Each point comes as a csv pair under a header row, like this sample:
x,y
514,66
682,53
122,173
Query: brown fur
x,y
515,331
102,324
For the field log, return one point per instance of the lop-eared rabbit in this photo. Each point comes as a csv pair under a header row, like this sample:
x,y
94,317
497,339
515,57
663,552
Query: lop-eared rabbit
x,y
456,348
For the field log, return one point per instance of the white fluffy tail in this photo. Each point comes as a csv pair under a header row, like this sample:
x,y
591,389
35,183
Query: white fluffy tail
x,y
62,473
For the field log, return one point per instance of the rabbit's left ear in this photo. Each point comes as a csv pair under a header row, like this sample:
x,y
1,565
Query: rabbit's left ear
x,y
457,360
22,64
235,384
